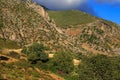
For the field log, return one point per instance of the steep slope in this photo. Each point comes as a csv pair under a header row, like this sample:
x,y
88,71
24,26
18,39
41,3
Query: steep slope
x,y
26,22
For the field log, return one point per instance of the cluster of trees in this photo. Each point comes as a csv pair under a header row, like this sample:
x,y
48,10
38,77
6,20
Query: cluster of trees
x,y
62,61
98,67
36,52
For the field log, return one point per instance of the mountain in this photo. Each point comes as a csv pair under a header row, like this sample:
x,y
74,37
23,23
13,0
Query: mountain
x,y
24,23
92,33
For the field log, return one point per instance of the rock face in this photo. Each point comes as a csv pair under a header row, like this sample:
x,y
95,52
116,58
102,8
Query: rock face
x,y
27,22
39,10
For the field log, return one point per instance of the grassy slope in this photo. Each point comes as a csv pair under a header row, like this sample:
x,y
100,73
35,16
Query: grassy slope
x,y
73,17
70,17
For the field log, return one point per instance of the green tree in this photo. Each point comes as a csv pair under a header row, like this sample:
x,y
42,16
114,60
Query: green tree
x,y
36,52
63,62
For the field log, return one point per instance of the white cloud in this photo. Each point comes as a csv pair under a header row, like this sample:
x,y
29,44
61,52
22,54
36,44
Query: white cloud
x,y
61,4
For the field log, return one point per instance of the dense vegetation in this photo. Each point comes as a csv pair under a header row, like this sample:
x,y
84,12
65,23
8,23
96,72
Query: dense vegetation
x,y
37,56
62,60
36,52
100,67
92,67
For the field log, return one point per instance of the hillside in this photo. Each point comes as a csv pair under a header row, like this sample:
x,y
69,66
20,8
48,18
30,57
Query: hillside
x,y
71,18
94,34
27,22
14,65
39,44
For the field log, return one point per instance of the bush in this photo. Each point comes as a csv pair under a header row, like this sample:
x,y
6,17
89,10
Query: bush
x,y
63,62
36,52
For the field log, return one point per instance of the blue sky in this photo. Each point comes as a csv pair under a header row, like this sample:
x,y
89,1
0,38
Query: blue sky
x,y
106,9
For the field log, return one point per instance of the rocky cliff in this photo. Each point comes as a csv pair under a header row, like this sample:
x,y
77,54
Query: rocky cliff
x,y
43,13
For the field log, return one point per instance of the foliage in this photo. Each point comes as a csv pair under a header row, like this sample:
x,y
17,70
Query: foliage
x,y
63,62
100,67
36,52
80,56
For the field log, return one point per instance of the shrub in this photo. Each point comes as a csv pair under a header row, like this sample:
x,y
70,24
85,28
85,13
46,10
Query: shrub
x,y
63,62
36,52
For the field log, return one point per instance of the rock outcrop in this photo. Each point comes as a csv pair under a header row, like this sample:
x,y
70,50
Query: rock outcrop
x,y
39,10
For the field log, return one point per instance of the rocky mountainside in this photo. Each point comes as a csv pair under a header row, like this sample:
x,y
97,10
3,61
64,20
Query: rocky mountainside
x,y
26,22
